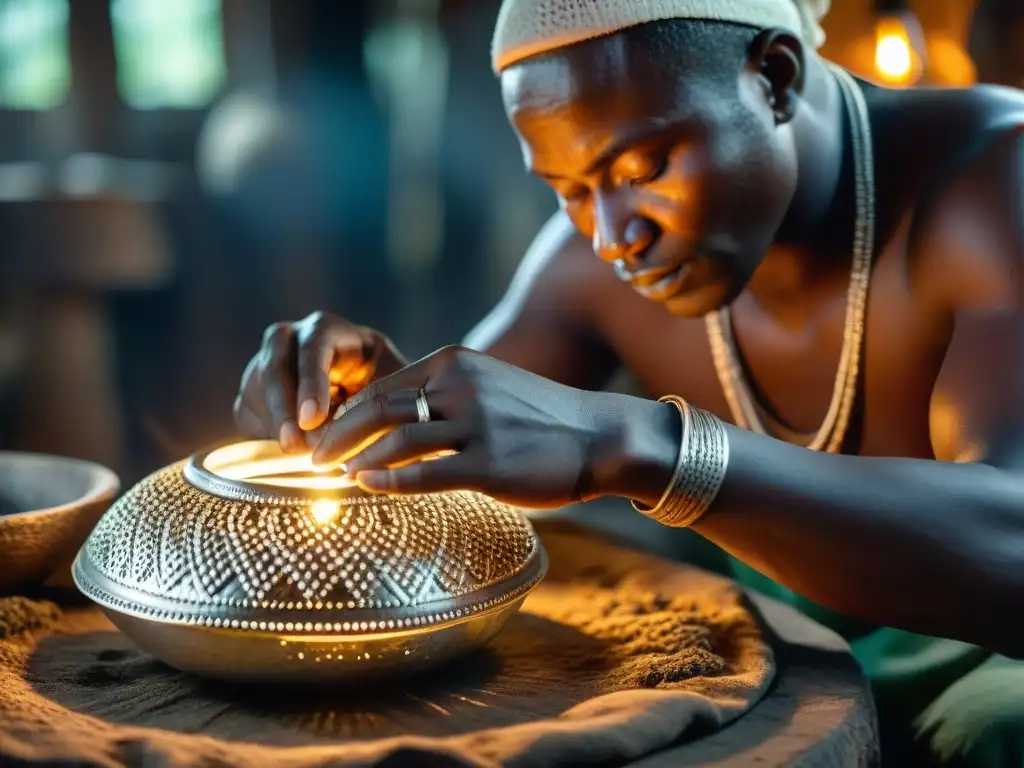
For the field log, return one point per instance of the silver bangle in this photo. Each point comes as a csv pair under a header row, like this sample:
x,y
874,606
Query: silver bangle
x,y
699,471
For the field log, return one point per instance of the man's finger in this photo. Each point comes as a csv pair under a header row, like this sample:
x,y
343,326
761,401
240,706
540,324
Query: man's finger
x,y
320,349
407,443
314,388
313,437
277,374
451,473
413,376
248,423
355,427
250,392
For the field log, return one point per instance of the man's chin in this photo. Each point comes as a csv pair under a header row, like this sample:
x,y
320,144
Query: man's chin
x,y
698,302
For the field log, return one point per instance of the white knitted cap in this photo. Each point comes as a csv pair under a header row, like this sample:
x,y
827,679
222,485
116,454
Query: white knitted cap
x,y
530,27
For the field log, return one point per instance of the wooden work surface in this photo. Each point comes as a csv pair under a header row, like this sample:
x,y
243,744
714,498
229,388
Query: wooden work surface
x,y
746,686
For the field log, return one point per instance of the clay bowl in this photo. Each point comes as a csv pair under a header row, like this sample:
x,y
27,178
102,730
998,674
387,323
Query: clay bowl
x,y
244,564
48,506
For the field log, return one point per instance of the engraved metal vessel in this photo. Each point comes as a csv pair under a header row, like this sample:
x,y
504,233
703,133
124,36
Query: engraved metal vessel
x,y
245,564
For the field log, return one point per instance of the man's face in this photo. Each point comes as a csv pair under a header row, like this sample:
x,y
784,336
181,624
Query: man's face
x,y
680,181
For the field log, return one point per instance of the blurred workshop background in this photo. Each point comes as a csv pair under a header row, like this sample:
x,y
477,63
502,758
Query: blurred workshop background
x,y
177,174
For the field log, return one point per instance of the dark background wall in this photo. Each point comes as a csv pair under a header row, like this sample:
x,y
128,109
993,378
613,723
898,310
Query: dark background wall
x,y
174,176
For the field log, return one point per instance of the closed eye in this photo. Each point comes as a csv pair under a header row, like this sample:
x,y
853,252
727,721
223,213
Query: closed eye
x,y
655,170
571,193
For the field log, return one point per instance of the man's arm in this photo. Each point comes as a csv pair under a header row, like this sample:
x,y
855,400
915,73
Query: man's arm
x,y
934,547
543,323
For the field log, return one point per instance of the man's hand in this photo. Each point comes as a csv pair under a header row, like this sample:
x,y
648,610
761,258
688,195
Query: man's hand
x,y
303,368
503,431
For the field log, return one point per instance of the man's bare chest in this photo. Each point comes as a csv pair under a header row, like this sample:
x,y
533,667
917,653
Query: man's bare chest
x,y
793,372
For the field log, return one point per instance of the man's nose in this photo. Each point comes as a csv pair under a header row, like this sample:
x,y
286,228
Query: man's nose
x,y
620,234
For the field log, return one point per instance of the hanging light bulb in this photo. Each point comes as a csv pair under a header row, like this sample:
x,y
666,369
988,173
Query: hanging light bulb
x,y
899,44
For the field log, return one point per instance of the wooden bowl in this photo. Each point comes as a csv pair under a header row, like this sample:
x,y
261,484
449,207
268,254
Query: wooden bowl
x,y
48,506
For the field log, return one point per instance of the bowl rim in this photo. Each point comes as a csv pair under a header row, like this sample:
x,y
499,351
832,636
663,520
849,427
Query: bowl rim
x,y
207,480
104,486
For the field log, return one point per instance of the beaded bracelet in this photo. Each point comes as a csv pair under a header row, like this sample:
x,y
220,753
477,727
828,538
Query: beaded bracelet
x,y
699,471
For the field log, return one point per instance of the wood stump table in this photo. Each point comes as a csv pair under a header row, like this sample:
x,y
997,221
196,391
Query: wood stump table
x,y
620,659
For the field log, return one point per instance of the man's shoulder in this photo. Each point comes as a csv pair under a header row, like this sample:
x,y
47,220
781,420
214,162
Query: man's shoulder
x,y
982,101
966,237
560,260
943,128
955,112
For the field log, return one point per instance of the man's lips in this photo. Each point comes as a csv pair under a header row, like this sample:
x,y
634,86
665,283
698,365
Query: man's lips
x,y
668,286
655,283
644,277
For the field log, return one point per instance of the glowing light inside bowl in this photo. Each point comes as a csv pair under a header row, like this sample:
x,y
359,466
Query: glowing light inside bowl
x,y
263,463
324,511
242,461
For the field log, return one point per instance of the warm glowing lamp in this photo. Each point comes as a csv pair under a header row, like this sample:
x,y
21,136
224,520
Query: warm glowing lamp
x,y
899,45
244,563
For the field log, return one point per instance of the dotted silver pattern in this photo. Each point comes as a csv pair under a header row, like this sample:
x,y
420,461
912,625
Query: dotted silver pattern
x,y
169,551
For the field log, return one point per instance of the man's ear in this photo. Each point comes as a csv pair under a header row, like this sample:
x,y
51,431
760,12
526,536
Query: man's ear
x,y
778,58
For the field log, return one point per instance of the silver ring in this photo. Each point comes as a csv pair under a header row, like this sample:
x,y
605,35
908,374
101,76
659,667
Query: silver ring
x,y
422,407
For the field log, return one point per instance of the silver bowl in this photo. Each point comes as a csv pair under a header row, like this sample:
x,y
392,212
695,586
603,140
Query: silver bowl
x,y
245,564
48,505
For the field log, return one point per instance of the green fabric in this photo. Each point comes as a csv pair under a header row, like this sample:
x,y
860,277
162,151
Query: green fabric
x,y
754,579
979,719
939,701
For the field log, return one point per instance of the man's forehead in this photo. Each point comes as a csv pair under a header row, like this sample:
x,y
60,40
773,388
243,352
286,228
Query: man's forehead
x,y
611,87
611,74
563,126
566,75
